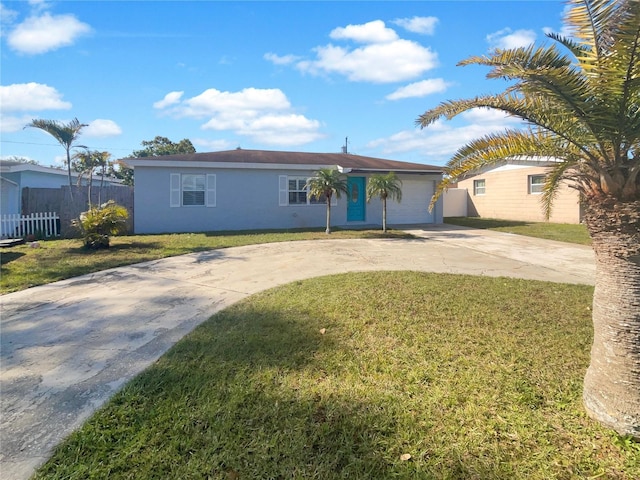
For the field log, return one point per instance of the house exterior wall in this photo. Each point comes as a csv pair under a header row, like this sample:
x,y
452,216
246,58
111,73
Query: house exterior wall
x,y
245,199
9,197
507,197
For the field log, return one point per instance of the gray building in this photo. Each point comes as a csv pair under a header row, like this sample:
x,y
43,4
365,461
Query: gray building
x,y
258,189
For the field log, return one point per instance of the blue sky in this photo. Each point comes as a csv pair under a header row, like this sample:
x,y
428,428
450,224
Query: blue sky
x,y
295,76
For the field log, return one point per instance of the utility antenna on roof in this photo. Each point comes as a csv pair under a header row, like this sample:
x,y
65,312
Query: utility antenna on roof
x,y
346,142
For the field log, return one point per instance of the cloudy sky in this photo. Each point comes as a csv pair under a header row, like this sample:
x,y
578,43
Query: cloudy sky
x,y
295,76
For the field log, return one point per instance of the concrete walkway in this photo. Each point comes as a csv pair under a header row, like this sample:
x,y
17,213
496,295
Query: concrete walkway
x,y
68,346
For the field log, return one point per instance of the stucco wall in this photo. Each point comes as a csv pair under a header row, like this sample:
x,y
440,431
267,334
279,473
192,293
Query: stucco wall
x,y
245,200
455,202
507,197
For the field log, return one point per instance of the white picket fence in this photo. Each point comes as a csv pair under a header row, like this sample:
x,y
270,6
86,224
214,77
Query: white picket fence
x,y
42,225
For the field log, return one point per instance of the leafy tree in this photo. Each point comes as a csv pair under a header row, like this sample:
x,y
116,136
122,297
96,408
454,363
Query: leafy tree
x,y
99,222
326,182
580,99
152,148
65,133
384,186
163,146
120,171
19,159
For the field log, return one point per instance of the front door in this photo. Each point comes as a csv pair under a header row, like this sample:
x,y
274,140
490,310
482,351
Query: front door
x,y
356,199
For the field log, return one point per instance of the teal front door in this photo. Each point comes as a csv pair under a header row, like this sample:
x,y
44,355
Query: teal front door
x,y
355,194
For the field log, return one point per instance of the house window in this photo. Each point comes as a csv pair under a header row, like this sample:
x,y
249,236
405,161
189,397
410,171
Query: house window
x,y
293,191
191,190
297,191
479,187
536,184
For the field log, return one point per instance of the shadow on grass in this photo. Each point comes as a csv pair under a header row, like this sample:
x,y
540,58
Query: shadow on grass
x,y
7,257
245,396
484,223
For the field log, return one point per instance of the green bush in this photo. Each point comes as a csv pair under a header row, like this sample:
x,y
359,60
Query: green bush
x,y
98,223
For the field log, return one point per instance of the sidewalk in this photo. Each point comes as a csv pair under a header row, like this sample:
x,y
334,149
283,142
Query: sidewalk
x,y
68,346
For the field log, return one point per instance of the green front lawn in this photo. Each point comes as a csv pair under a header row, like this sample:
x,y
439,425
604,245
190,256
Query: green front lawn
x,y
24,267
562,232
365,376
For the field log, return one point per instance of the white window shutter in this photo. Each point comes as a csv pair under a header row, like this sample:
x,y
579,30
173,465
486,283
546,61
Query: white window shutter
x,y
334,199
174,197
283,191
211,190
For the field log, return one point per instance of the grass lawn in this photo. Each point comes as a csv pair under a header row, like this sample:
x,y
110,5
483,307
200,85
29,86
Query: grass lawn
x,y
562,232
24,267
365,376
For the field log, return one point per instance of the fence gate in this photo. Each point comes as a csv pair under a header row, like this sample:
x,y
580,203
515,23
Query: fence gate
x,y
42,225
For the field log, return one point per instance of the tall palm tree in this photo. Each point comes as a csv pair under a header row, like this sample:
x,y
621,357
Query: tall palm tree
x,y
65,133
582,108
384,186
326,182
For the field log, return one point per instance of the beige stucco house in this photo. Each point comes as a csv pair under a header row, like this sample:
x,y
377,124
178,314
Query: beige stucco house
x,y
513,191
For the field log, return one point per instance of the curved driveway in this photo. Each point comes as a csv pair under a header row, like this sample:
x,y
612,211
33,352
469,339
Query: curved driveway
x,y
68,346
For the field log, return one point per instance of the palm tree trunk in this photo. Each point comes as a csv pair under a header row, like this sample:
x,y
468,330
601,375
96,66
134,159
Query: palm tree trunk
x,y
384,215
69,175
328,230
612,383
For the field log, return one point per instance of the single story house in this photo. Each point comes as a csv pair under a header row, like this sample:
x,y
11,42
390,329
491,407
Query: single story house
x,y
14,176
258,189
512,191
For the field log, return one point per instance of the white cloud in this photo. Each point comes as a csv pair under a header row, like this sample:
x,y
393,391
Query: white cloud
x,y
213,145
419,89
372,32
422,25
31,97
101,128
9,123
7,16
441,140
383,58
264,115
274,129
396,61
280,59
506,38
40,34
170,98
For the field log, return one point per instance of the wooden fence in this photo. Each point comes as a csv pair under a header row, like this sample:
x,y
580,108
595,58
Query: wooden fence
x,y
41,225
35,200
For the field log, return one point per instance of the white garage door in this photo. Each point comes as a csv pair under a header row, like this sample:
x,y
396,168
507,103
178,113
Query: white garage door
x,y
414,208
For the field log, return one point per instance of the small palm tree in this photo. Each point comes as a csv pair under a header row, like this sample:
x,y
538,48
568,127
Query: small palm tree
x,y
86,163
581,103
100,222
326,182
385,186
65,133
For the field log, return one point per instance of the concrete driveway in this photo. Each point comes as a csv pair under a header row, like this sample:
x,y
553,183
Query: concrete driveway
x,y
68,346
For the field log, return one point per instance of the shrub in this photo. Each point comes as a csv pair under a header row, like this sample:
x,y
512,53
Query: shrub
x,y
98,223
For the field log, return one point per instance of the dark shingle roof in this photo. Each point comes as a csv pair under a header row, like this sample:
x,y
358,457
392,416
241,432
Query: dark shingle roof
x,y
345,160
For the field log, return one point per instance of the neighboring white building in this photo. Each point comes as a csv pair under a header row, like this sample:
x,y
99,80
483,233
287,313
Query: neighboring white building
x,y
512,191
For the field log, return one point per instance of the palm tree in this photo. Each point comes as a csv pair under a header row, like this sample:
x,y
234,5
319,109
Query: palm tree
x,y
385,186
86,163
65,133
582,108
326,182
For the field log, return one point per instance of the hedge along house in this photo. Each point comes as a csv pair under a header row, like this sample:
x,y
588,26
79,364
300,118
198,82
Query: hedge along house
x,y
258,189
